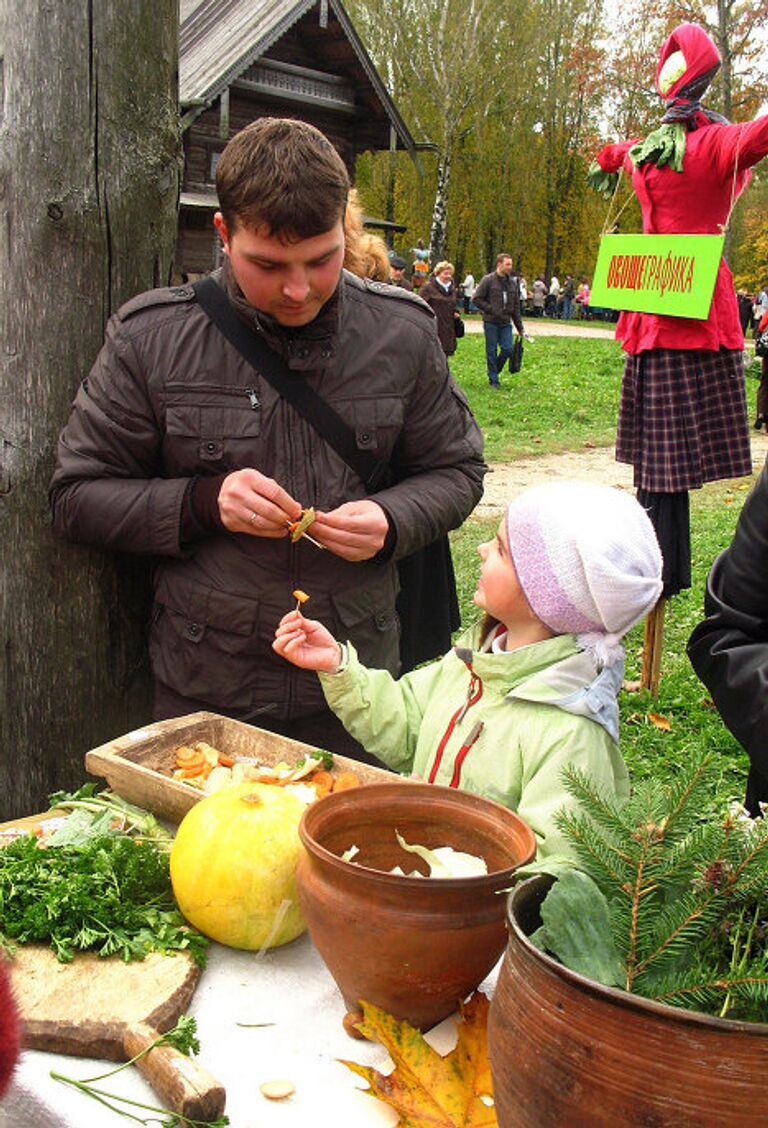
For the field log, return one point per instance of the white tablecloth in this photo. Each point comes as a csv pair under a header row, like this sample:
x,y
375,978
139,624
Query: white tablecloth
x,y
290,987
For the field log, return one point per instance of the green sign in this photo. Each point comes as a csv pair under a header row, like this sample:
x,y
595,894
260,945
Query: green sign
x,y
671,274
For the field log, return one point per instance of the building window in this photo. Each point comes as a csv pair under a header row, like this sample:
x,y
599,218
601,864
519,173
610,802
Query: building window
x,y
214,160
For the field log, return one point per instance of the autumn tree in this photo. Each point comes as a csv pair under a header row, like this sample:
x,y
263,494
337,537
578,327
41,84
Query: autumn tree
x,y
89,177
568,84
448,62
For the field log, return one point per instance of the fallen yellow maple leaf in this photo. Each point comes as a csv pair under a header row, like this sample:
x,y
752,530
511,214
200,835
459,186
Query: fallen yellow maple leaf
x,y
426,1089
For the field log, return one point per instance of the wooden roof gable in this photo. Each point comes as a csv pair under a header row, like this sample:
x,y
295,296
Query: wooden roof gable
x,y
220,39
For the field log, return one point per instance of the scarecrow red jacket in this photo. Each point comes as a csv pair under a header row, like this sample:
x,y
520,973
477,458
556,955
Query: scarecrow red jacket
x,y
696,201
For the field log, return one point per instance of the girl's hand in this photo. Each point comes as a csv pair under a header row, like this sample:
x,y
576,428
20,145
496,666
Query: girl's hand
x,y
306,643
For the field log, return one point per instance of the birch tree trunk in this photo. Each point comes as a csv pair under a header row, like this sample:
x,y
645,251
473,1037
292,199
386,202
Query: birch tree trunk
x,y
89,181
439,227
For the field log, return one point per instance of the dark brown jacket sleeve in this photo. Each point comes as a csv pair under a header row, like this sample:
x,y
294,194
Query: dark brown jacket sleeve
x,y
729,649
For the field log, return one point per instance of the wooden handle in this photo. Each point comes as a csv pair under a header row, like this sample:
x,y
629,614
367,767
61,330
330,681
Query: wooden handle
x,y
181,1083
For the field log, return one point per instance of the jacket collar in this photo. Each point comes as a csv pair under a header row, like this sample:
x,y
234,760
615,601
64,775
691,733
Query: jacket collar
x,y
303,349
553,672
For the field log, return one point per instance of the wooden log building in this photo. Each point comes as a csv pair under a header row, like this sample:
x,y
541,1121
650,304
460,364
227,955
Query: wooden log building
x,y
244,59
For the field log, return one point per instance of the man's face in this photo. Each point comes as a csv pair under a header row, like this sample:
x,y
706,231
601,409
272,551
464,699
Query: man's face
x,y
504,266
290,282
397,273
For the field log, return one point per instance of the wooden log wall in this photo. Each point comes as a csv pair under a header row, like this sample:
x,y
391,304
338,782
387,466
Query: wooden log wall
x,y
89,181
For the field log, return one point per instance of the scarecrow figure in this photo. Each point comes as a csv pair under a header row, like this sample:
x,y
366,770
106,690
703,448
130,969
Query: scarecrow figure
x,y
683,414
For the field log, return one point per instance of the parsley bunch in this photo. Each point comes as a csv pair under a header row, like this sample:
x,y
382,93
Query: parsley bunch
x,y
111,894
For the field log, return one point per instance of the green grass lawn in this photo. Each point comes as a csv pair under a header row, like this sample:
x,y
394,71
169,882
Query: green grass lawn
x,y
566,395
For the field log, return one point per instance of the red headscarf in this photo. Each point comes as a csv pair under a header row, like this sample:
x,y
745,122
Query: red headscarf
x,y
701,58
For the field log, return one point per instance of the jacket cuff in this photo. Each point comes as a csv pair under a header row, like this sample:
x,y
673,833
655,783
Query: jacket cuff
x,y
200,515
387,550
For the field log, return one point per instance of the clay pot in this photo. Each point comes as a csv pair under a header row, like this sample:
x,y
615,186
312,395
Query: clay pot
x,y
414,947
567,1052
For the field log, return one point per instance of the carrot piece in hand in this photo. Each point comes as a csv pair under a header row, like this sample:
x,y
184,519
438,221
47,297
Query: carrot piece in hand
x,y
300,597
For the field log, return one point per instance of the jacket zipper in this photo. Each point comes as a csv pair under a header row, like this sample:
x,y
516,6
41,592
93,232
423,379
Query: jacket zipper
x,y
474,693
461,755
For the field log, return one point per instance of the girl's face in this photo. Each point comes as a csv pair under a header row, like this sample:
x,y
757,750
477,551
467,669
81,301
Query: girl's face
x,y
498,590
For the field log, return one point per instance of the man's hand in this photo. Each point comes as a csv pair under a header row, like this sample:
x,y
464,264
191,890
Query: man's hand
x,y
354,531
306,643
249,502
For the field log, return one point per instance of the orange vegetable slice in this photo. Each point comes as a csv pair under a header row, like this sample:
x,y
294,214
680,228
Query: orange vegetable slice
x,y
300,595
186,755
322,782
345,780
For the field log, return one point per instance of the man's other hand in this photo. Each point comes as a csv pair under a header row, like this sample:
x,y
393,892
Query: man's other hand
x,y
249,502
355,531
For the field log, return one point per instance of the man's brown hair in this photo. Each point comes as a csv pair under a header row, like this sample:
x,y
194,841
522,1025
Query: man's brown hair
x,y
502,255
284,175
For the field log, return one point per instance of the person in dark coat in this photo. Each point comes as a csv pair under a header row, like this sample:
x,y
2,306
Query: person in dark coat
x,y
498,299
397,268
440,294
761,419
729,649
178,447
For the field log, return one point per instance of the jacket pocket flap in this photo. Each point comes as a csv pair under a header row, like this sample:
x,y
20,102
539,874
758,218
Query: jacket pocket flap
x,y
207,606
217,421
373,603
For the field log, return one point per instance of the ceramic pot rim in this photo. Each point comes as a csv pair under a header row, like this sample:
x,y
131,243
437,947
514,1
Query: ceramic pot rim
x,y
496,879
536,887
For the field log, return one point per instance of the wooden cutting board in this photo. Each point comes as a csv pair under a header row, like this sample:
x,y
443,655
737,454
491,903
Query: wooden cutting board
x,y
104,1008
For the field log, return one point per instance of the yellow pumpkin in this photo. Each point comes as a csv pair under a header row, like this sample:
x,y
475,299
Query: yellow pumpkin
x,y
233,866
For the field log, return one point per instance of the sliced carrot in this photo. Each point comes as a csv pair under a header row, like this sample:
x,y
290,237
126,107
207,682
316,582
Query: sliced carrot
x,y
345,780
186,755
226,761
322,782
194,772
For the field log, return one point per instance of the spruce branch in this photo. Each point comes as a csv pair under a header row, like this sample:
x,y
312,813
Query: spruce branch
x,y
687,893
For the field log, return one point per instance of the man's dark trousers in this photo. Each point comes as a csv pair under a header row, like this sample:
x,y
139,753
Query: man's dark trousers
x,y
498,348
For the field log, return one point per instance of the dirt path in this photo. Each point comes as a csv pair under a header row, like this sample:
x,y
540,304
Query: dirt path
x,y
543,327
506,480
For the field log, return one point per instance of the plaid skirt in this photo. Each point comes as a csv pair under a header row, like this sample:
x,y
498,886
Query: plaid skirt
x,y
683,418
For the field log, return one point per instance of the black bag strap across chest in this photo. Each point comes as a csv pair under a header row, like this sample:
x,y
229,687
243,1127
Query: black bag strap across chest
x,y
292,386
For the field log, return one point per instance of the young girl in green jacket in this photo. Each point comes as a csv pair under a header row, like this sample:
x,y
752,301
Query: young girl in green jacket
x,y
534,685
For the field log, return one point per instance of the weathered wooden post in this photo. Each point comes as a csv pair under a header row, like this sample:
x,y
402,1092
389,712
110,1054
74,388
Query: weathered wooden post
x,y
89,176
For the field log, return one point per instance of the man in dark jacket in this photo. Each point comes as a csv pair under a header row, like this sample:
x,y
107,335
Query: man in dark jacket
x,y
498,299
729,649
180,448
397,268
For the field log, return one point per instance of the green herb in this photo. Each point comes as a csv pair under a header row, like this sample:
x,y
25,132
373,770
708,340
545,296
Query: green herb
x,y
183,1036
680,900
112,895
325,758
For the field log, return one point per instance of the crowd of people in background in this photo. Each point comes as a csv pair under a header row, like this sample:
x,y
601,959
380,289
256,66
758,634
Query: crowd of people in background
x,y
566,301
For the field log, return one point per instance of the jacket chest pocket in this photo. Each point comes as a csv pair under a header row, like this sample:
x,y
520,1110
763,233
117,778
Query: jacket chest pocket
x,y
210,426
376,421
